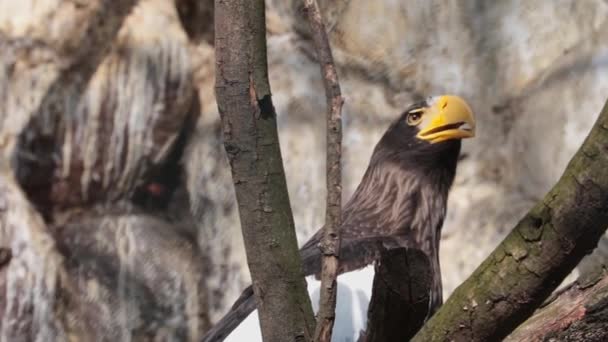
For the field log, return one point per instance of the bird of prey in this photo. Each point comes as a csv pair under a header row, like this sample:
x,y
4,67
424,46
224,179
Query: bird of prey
x,y
400,202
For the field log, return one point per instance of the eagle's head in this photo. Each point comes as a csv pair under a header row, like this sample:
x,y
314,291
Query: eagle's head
x,y
441,118
428,132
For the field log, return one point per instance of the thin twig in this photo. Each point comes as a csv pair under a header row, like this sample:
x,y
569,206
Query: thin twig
x,y
330,244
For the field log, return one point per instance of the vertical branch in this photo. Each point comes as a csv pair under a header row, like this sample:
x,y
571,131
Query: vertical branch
x,y
252,145
330,244
400,299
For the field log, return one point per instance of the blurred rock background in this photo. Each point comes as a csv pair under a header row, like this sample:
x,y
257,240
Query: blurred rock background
x,y
535,73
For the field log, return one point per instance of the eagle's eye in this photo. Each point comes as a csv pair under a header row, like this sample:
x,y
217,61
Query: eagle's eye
x,y
414,117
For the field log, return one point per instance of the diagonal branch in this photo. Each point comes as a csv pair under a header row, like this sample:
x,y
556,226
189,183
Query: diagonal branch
x,y
578,313
536,256
330,244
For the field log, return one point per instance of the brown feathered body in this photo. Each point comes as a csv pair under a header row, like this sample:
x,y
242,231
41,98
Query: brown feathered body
x,y
400,202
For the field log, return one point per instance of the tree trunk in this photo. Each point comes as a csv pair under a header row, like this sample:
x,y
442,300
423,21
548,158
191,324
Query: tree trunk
x,y
400,298
536,256
252,145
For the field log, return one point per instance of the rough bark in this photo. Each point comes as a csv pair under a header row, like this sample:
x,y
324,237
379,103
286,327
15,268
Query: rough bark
x,y
400,298
578,313
536,256
330,243
252,145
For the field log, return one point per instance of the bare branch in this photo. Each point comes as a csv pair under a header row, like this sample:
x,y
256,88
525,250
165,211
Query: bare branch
x,y
577,314
400,300
330,244
252,144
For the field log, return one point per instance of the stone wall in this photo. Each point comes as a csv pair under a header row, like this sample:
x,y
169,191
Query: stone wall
x,y
534,72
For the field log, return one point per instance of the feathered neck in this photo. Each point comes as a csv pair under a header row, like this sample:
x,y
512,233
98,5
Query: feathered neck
x,y
404,192
402,198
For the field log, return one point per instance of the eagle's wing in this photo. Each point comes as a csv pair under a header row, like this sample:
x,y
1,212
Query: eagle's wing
x,y
355,252
238,312
379,215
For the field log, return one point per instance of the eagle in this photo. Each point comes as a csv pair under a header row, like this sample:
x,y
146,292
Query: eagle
x,y
401,201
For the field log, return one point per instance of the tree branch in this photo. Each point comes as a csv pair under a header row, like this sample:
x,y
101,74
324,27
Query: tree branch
x,y
576,314
252,145
400,297
330,244
536,256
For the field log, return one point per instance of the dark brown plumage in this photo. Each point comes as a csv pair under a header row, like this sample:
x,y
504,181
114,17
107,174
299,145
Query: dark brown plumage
x,y
400,202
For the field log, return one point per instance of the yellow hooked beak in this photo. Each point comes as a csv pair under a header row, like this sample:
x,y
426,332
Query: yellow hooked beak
x,y
447,117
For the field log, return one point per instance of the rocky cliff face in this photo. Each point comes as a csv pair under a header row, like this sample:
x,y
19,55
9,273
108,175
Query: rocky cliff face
x,y
535,73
